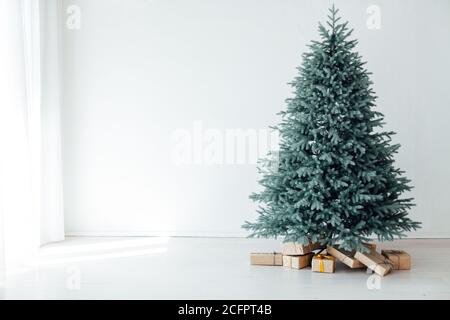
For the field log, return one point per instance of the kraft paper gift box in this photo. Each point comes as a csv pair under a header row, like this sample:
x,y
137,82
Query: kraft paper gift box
x,y
400,259
323,263
298,262
296,249
287,261
375,261
266,259
345,257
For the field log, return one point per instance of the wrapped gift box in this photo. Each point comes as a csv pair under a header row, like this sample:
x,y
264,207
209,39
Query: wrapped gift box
x,y
298,262
375,261
400,259
295,249
266,259
323,263
345,256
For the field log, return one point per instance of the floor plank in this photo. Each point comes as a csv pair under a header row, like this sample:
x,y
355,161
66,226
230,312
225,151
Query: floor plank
x,y
215,268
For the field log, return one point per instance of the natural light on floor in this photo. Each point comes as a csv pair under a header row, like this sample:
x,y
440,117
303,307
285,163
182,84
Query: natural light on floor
x,y
101,249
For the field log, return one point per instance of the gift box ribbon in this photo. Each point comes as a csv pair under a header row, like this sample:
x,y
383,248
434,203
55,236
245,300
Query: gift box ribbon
x,y
395,253
321,258
381,262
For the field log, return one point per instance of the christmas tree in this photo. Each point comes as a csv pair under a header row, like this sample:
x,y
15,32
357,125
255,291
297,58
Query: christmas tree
x,y
335,180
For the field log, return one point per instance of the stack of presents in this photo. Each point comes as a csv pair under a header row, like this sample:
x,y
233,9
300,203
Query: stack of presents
x,y
323,259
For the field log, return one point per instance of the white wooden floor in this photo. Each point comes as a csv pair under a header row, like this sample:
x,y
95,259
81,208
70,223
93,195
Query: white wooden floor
x,y
215,268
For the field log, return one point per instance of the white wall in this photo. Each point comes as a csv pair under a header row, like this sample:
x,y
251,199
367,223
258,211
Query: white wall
x,y
139,70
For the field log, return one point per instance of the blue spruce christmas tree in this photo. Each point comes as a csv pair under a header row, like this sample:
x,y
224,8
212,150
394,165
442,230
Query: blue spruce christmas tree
x,y
335,181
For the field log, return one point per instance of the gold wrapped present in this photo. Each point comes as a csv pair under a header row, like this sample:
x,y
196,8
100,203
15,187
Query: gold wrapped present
x,y
298,262
323,263
266,259
345,257
400,259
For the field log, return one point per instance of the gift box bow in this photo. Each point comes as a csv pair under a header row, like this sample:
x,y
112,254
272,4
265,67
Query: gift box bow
x,y
395,253
321,258
382,261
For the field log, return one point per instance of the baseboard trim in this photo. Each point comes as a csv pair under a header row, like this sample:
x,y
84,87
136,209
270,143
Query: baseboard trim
x,y
201,234
154,234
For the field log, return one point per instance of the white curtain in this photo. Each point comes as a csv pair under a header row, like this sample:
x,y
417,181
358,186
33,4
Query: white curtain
x,y
31,198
